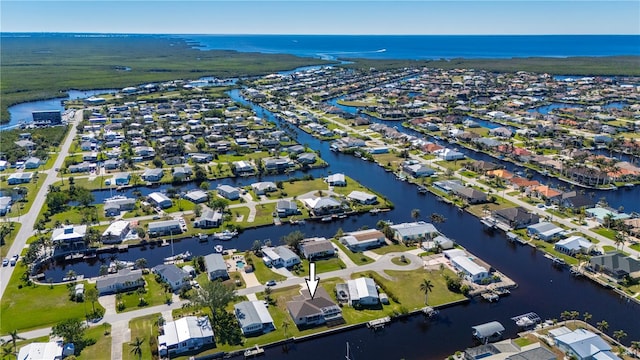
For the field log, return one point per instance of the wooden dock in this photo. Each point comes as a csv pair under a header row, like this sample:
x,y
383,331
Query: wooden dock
x,y
378,323
253,352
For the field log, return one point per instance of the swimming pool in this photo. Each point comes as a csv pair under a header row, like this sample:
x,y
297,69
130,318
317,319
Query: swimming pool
x,y
240,264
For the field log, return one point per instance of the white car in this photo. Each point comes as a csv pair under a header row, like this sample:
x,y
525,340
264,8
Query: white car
x,y
270,283
5,262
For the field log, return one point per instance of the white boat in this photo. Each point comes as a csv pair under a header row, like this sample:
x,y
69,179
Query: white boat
x,y
218,248
225,235
524,322
182,256
203,237
326,219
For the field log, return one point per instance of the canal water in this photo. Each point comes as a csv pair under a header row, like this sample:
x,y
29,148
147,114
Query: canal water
x,y
542,288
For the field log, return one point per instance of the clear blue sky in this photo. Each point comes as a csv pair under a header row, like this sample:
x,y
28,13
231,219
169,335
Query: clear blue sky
x,y
323,17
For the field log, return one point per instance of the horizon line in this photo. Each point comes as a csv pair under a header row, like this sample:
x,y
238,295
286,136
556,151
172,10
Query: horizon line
x,y
294,34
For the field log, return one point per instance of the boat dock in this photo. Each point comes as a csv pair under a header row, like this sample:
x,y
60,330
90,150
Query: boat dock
x,y
490,296
378,323
253,352
526,320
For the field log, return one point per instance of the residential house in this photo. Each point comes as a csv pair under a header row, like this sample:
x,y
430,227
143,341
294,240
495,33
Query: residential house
x,y
471,195
216,267
515,217
187,334
32,163
160,200
414,231
152,175
502,132
167,227
69,234
253,317
582,344
363,240
481,166
201,158
123,280
471,270
418,170
228,192
449,154
308,312
544,192
181,172
116,232
279,256
285,208
209,219
362,197
5,205
4,165
111,164
307,158
336,180
243,168
175,277
51,350
121,178
318,247
602,215
197,196
321,206
545,231
20,178
574,245
616,265
113,207
261,188
279,164
81,167
361,291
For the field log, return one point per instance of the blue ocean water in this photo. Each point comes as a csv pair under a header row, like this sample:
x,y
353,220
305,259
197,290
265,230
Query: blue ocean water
x,y
424,46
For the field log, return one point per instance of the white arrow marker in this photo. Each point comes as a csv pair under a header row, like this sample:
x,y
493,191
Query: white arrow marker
x,y
312,281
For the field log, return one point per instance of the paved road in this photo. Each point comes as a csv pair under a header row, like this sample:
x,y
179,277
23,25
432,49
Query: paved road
x,y
119,319
28,220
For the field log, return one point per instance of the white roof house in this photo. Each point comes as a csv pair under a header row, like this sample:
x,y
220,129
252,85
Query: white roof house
x,y
362,197
336,180
545,230
197,196
263,187
449,154
414,231
41,351
116,232
160,199
472,271
584,345
186,334
362,291
362,240
253,317
574,245
69,234
279,256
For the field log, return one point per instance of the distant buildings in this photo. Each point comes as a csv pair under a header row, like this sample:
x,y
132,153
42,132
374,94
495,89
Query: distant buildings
x,y
47,117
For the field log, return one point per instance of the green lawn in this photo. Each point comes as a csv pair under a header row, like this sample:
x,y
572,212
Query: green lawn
x,y
548,248
181,205
400,247
262,272
322,266
8,241
144,328
451,165
101,350
37,306
76,214
297,188
155,295
608,233
357,258
21,208
635,246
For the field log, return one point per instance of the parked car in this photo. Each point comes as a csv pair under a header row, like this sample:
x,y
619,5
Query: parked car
x,y
270,283
13,261
5,262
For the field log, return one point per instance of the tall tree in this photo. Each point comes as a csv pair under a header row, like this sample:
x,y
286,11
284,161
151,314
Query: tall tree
x,y
92,295
293,239
214,295
71,331
426,286
15,337
619,334
602,325
587,316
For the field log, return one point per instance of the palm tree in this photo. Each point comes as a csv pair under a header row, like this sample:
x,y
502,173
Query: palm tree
x,y
602,325
619,334
415,214
285,327
15,337
7,352
619,239
586,316
565,315
426,286
485,208
136,347
635,347
437,218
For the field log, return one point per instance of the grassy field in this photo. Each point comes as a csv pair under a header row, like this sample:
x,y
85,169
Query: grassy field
x,y
36,306
142,327
43,67
154,295
101,350
262,272
357,258
298,188
21,208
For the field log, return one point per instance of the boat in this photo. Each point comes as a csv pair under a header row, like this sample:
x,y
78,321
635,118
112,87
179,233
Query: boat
x,y
422,190
348,356
374,211
342,216
558,262
256,351
218,248
490,296
526,320
182,256
628,185
203,237
225,235
326,219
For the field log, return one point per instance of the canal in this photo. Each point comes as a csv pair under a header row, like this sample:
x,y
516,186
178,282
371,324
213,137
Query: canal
x,y
542,288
